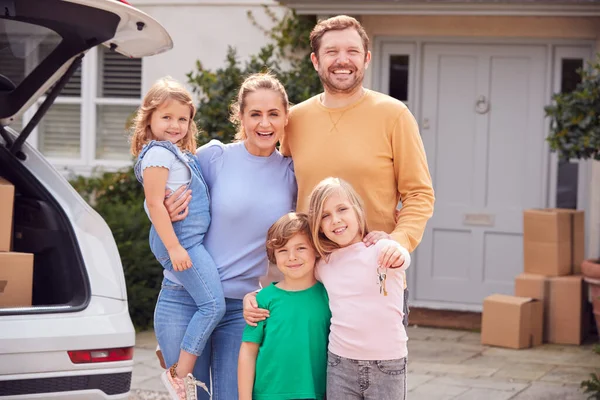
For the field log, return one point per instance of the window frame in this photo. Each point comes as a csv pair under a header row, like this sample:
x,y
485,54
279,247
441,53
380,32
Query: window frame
x,y
88,101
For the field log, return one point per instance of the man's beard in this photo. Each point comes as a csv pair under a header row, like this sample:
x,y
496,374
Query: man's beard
x,y
348,87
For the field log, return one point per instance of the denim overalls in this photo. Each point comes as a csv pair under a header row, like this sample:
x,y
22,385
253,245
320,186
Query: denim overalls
x,y
202,280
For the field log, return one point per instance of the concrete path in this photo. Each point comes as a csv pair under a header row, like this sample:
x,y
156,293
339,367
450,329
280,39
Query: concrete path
x,y
446,364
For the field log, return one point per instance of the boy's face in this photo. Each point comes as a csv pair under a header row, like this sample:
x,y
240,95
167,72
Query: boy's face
x,y
296,260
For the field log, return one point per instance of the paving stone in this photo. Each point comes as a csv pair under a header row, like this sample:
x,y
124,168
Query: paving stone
x,y
442,352
488,361
421,333
415,380
142,373
153,384
523,371
429,391
546,354
488,394
145,340
481,383
450,369
550,391
148,395
573,375
144,355
471,338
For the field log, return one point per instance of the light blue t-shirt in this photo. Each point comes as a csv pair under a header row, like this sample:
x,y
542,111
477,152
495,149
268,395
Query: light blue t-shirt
x,y
247,195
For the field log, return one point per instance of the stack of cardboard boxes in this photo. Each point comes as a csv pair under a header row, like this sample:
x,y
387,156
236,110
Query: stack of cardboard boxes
x,y
549,304
16,269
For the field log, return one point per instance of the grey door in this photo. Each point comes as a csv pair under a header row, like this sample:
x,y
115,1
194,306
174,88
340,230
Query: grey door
x,y
482,123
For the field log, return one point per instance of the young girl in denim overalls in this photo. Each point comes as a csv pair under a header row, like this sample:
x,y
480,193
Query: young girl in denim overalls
x,y
164,141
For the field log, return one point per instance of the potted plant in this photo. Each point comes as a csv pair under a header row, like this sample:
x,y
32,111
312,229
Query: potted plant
x,y
575,134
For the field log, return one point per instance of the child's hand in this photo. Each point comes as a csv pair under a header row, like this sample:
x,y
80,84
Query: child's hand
x,y
253,314
180,258
390,256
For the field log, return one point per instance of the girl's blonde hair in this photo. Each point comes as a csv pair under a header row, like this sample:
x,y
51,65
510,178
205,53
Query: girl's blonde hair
x,y
254,82
318,197
163,90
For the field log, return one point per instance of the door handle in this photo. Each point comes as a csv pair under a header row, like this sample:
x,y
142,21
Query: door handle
x,y
482,105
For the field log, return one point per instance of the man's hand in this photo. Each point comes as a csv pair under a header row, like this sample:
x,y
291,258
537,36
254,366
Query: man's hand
x,y
373,237
253,314
177,203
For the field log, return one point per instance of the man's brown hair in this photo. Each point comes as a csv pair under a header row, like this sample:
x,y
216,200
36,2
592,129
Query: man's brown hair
x,y
337,23
283,230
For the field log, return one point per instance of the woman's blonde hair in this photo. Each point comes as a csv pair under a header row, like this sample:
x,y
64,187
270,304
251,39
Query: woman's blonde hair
x,y
163,90
254,82
318,197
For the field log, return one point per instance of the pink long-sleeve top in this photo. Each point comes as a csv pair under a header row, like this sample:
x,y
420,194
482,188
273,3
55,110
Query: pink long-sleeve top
x,y
365,324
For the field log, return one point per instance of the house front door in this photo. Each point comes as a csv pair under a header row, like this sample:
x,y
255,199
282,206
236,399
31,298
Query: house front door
x,y
482,123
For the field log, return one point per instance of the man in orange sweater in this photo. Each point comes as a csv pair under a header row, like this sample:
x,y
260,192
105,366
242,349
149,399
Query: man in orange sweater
x,y
367,138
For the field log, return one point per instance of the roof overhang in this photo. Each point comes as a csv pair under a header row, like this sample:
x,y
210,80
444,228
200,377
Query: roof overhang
x,y
574,8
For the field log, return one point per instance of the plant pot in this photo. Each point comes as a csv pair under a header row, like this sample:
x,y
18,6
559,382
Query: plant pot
x,y
590,269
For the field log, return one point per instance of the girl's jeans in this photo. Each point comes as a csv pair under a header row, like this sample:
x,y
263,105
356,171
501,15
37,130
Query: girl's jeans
x,y
204,290
369,380
175,309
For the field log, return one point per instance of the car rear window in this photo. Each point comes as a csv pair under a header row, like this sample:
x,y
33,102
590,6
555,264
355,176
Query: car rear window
x,y
23,47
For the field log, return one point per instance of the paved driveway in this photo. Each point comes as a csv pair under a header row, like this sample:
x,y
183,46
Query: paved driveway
x,y
447,364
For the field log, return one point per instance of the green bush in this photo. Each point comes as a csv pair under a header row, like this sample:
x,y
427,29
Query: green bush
x,y
119,198
575,118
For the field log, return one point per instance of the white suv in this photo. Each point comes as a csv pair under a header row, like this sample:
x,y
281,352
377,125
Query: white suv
x,y
76,340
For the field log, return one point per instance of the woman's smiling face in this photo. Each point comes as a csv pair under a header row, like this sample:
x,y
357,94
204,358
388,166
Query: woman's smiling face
x,y
263,119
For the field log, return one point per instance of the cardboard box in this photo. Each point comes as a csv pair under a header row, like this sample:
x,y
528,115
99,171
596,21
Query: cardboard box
x,y
547,236
16,279
7,199
577,238
565,320
513,322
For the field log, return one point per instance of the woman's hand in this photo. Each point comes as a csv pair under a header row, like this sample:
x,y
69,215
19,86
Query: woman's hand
x,y
253,314
390,256
180,258
373,237
177,203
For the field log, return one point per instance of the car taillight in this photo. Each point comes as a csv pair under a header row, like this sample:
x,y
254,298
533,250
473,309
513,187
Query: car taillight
x,y
103,355
125,2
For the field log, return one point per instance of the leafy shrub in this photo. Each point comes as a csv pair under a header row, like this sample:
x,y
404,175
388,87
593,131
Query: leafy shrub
x,y
575,118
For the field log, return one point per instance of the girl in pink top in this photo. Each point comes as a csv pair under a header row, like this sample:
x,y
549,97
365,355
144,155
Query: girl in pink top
x,y
367,342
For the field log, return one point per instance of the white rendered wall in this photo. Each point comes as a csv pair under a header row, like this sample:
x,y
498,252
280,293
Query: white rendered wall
x,y
202,30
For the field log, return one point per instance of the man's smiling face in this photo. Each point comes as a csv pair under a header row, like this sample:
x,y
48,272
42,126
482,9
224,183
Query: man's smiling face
x,y
342,61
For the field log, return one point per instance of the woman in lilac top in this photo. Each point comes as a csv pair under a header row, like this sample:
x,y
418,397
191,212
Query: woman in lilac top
x,y
251,185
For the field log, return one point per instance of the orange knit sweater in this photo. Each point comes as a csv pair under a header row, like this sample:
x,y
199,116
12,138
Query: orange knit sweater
x,y
374,144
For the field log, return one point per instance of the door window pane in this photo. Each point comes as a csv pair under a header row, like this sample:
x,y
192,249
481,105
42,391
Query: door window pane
x,y
569,77
399,77
568,173
112,135
59,131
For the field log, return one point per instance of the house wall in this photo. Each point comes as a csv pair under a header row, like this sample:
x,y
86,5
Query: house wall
x,y
202,30
512,28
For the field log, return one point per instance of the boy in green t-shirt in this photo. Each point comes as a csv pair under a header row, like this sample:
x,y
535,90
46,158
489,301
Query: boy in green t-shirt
x,y
285,356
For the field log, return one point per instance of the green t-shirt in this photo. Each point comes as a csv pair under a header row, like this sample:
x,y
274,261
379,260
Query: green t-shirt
x,y
292,357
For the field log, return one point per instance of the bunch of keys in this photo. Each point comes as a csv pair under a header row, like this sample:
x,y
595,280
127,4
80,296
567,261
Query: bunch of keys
x,y
381,276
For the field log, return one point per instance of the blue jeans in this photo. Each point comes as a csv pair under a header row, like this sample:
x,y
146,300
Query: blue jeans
x,y
174,310
365,380
204,289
